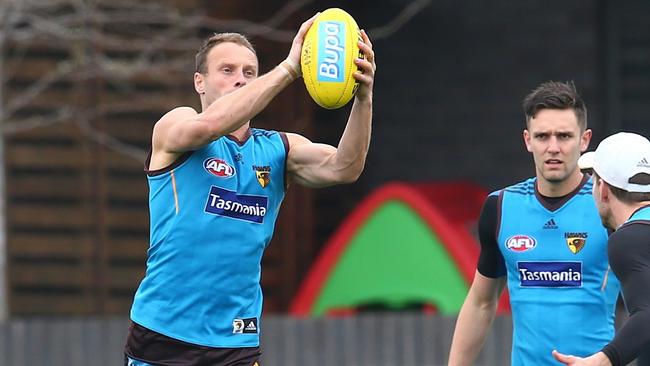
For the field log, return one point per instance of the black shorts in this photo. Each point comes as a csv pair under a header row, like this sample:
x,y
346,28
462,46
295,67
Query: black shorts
x,y
153,348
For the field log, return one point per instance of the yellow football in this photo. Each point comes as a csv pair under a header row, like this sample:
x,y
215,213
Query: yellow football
x,y
327,58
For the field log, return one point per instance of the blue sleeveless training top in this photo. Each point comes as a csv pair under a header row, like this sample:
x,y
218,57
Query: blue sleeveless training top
x,y
212,215
561,291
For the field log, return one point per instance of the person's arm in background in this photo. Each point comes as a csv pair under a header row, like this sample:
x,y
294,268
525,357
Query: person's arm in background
x,y
480,306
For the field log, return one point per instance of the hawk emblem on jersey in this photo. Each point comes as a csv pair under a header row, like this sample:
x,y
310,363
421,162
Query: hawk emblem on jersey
x,y
263,174
237,326
575,241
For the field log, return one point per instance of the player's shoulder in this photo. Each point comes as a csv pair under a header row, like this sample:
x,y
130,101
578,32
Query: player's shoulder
x,y
260,132
632,229
629,240
175,115
295,139
181,112
525,187
587,185
271,137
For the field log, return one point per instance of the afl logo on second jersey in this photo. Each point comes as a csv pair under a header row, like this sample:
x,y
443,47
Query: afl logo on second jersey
x,y
219,167
521,243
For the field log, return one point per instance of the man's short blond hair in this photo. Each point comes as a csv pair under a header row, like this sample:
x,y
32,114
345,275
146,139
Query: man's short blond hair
x,y
215,39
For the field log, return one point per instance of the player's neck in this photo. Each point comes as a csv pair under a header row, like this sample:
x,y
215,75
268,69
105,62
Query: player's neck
x,y
241,134
559,188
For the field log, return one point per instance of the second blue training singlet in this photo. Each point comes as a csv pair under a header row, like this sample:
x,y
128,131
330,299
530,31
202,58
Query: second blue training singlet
x,y
562,293
212,215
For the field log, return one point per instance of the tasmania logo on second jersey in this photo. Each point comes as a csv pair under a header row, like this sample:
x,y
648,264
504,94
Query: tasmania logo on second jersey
x,y
521,243
550,274
219,167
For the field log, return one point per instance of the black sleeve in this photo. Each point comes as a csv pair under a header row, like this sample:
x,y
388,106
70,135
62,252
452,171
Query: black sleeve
x,y
629,257
490,261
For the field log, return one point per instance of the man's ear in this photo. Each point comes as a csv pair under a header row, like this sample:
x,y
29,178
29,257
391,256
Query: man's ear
x,y
199,83
604,190
584,140
526,136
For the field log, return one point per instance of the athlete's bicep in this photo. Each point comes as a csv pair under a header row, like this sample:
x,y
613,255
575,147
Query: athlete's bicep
x,y
490,262
308,163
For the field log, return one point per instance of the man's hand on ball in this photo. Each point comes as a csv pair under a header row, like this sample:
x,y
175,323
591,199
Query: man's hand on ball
x,y
366,76
296,46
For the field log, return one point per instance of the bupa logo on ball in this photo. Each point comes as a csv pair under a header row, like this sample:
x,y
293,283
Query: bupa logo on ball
x,y
331,51
521,243
219,167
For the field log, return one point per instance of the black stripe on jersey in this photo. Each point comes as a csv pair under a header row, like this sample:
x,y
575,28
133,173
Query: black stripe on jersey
x,y
525,186
527,192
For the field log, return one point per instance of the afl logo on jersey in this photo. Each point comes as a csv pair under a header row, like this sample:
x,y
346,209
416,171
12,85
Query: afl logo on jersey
x,y
521,243
219,167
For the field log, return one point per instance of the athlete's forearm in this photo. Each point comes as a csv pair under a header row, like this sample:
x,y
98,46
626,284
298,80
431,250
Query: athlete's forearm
x,y
353,147
473,324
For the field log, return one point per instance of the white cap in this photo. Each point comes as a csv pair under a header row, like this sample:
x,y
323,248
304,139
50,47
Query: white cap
x,y
618,158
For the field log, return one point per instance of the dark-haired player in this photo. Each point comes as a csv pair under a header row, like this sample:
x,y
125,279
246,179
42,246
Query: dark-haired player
x,y
544,239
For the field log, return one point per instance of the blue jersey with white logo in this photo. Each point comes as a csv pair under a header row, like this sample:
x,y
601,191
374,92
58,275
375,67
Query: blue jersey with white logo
x,y
212,215
561,291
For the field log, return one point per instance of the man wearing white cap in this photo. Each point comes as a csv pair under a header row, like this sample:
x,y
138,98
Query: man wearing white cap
x,y
621,166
